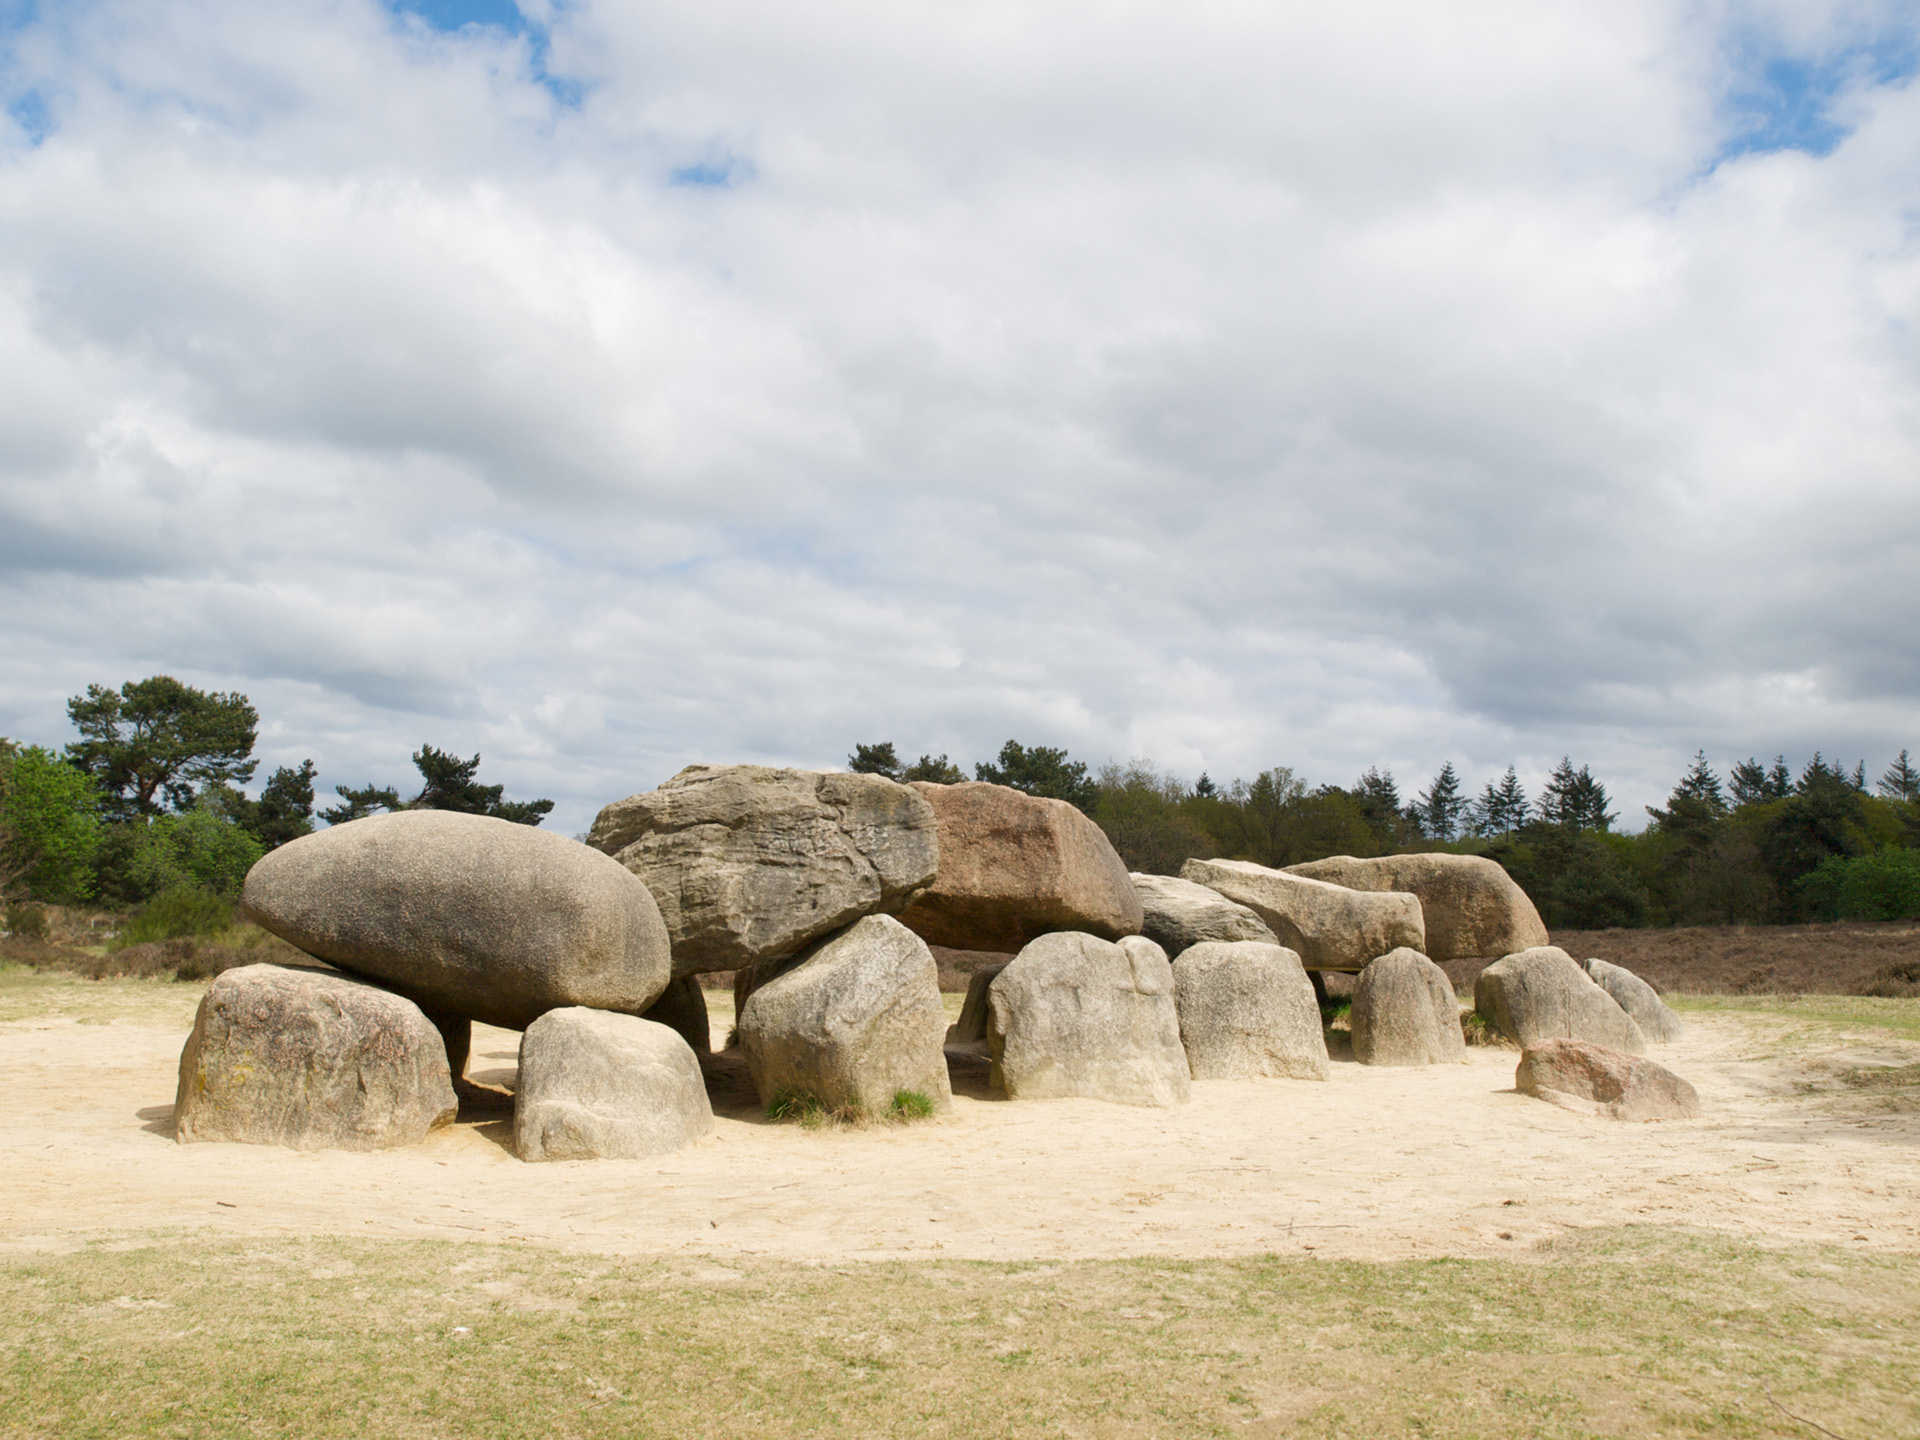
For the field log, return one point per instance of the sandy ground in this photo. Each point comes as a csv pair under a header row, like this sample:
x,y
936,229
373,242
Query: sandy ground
x,y
1376,1164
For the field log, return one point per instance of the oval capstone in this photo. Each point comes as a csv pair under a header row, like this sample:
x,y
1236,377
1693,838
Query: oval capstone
x,y
467,915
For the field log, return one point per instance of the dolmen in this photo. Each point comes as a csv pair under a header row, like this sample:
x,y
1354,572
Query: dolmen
x,y
1329,926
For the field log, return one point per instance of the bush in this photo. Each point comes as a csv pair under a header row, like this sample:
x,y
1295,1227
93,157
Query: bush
x,y
29,922
177,914
198,850
52,816
1884,885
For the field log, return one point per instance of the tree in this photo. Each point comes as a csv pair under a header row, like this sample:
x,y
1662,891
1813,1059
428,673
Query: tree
x,y
875,760
158,740
1140,811
284,810
1206,789
1438,808
1574,799
1902,780
51,815
1756,784
1697,803
450,785
1377,795
1041,771
1502,808
940,770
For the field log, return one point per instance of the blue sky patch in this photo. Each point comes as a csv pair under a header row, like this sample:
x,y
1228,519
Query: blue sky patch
x,y
1784,102
450,15
29,112
722,174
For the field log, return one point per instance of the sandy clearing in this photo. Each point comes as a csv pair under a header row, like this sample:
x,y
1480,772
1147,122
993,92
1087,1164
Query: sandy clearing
x,y
1376,1164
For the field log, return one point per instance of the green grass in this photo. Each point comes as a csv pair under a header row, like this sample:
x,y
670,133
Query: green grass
x,y
30,994
1812,1017
910,1105
1625,1333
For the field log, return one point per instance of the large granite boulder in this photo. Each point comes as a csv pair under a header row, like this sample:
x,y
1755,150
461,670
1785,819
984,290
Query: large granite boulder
x,y
1015,866
855,1021
1638,999
1247,1012
1178,914
467,915
750,863
1329,926
1540,994
1581,1076
1073,1014
1404,1013
599,1086
312,1061
1470,906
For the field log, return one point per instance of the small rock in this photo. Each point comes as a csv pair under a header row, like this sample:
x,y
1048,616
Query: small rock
x,y
1589,1078
1404,1013
1180,914
854,1021
1016,866
1073,1014
1329,926
599,1086
1469,906
1638,999
311,1061
750,863
1541,993
466,914
1247,1012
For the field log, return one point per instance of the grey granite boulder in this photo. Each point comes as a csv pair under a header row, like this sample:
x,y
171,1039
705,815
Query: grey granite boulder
x,y
971,1027
1541,994
1404,1013
467,915
855,1021
1014,866
1638,999
1470,907
750,863
1179,914
311,1061
1075,1015
599,1086
1593,1080
1247,1012
1329,926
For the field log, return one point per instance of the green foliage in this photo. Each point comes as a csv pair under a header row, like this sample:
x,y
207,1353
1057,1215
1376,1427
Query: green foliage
x,y
935,768
1441,806
184,911
450,784
284,810
910,1105
1502,808
875,760
51,816
202,849
1884,885
1574,800
1041,771
1902,780
158,742
1145,817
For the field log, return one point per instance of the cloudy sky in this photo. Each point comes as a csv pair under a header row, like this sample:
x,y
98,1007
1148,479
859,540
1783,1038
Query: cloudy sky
x,y
604,386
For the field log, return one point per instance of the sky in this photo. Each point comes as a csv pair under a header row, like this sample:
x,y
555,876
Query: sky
x,y
606,387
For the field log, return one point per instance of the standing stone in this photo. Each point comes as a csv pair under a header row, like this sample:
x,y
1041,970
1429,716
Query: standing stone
x,y
682,1008
311,1061
1329,926
853,1022
971,1027
599,1086
1404,1013
1541,993
749,863
1073,1014
1471,908
1015,866
1247,1011
467,915
1594,1080
1180,914
1638,999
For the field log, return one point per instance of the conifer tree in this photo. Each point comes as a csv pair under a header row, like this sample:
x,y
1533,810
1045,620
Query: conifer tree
x,y
1902,780
1439,807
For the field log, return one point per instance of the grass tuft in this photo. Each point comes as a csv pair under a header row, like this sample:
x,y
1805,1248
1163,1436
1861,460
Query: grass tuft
x,y
910,1105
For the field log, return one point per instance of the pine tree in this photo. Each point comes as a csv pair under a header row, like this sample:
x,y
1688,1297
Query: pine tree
x,y
450,785
1755,784
1574,799
875,760
1041,770
1205,789
157,740
1902,780
940,770
1701,784
1440,806
1502,808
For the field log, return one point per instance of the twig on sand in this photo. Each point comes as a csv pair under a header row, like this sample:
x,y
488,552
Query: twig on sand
x,y
1800,1418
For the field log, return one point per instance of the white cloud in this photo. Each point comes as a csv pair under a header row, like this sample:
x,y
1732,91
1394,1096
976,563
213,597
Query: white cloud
x,y
1349,385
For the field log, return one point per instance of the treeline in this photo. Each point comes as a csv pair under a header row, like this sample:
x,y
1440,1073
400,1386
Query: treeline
x,y
149,800
1761,846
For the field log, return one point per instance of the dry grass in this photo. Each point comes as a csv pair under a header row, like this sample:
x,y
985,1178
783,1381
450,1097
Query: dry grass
x,y
31,994
1626,1333
1849,958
